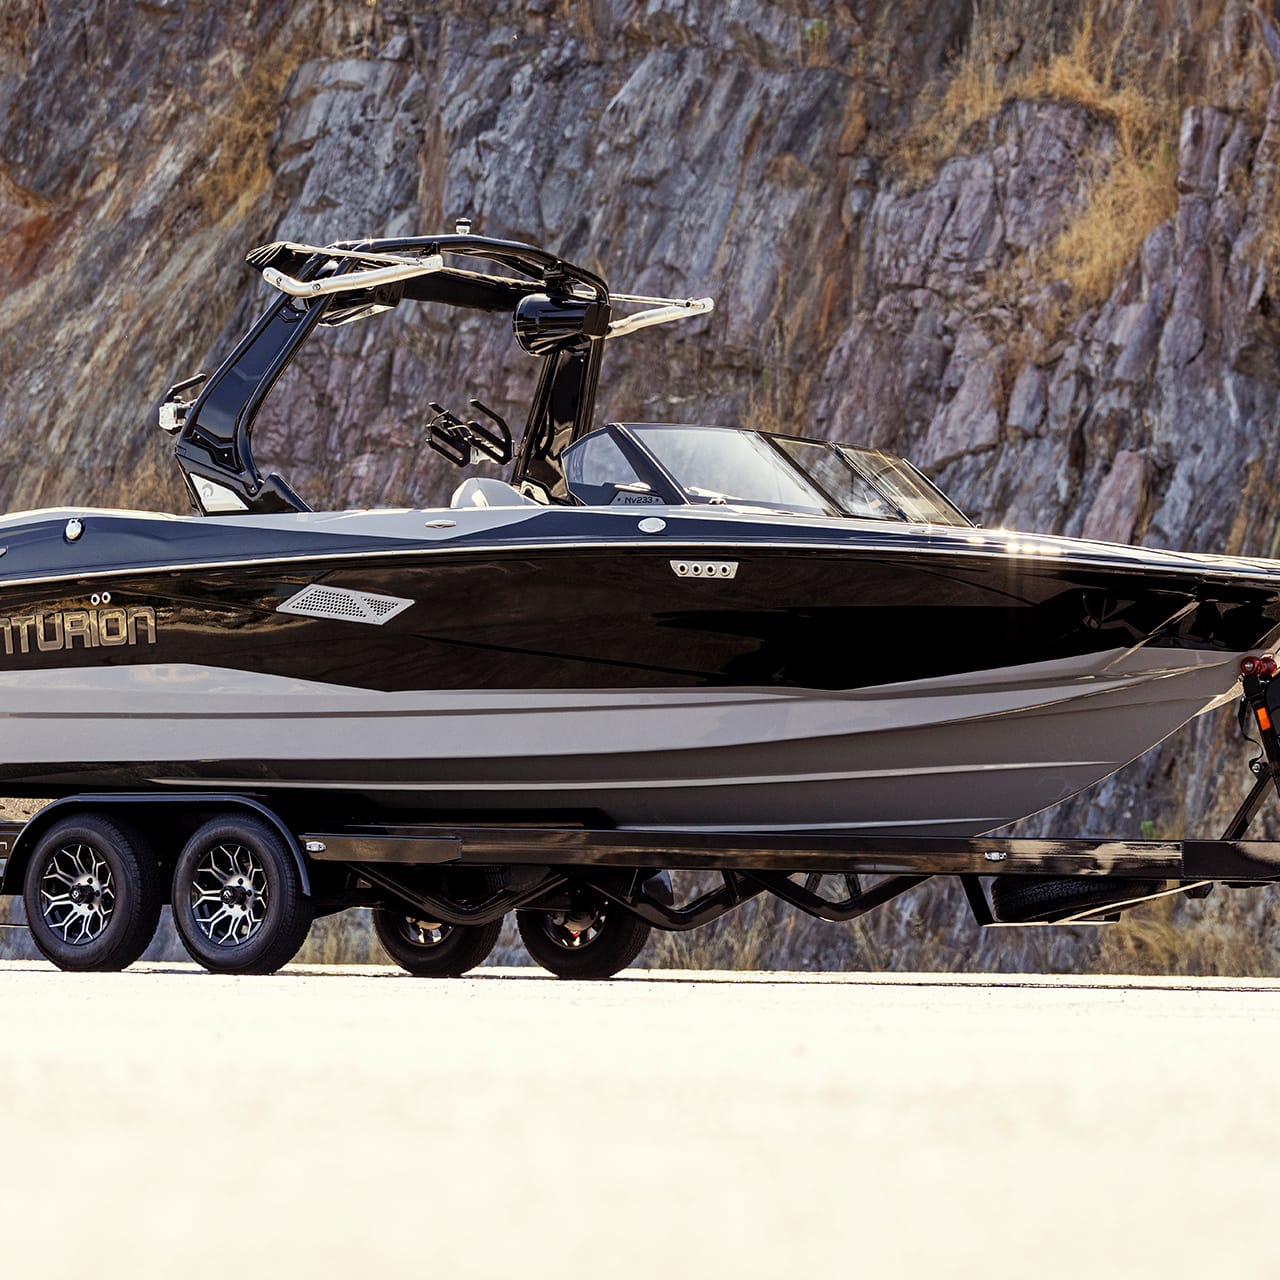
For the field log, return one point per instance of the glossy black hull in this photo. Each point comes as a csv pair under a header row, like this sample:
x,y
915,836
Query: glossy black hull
x,y
828,608
556,661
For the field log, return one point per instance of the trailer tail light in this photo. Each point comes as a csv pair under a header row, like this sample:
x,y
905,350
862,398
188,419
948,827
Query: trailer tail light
x,y
1265,666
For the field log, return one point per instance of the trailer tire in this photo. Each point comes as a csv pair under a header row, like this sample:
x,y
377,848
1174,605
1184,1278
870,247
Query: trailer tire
x,y
586,945
1032,899
431,949
238,900
112,899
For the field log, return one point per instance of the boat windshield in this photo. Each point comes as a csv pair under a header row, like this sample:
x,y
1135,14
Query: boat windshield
x,y
850,490
913,494
715,464
635,464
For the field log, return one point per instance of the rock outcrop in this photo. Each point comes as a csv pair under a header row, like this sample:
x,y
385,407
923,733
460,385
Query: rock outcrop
x,y
883,256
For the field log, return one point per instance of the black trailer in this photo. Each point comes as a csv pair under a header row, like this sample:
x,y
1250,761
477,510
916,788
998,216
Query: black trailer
x,y
247,874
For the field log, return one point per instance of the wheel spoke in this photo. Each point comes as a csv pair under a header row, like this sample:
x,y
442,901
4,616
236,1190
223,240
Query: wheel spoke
x,y
229,894
77,893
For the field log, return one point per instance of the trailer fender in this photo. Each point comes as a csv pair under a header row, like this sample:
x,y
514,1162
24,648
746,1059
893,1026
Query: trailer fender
x,y
145,808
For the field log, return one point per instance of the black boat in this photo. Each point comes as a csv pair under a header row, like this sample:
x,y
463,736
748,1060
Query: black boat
x,y
667,626
650,628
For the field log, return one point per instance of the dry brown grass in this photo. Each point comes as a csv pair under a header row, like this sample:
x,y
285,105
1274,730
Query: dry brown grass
x,y
1231,934
1134,190
239,138
1089,75
344,938
1133,195
977,90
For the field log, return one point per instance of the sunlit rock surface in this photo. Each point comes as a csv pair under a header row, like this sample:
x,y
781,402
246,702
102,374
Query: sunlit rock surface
x,y
751,151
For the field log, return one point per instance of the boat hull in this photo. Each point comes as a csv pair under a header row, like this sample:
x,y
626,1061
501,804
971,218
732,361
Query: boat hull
x,y
943,757
546,663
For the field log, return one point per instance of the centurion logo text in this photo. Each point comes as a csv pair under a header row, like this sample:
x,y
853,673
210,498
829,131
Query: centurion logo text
x,y
102,626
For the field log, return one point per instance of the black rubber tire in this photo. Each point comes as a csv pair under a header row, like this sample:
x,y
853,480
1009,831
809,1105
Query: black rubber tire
x,y
1027,899
619,939
406,935
408,940
255,849
132,880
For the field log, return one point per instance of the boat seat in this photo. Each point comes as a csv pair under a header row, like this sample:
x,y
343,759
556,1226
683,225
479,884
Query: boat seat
x,y
484,491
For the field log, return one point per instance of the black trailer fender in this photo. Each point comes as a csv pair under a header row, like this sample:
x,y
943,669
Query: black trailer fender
x,y
146,810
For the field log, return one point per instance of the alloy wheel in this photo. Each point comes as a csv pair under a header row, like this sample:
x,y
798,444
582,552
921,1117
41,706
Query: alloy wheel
x,y
424,933
230,895
77,894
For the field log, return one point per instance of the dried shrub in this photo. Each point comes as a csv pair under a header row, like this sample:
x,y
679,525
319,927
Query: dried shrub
x,y
1134,187
1135,190
1230,935
240,138
1132,197
980,85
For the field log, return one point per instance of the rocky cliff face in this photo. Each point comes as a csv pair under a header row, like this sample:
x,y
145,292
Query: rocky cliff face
x,y
1036,253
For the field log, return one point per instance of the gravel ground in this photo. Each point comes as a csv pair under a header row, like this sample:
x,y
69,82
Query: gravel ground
x,y
345,1122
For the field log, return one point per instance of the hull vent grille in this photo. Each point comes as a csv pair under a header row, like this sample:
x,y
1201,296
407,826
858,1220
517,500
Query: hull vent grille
x,y
343,605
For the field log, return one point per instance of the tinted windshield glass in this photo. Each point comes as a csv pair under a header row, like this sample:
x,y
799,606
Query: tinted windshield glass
x,y
828,467
595,467
715,464
904,486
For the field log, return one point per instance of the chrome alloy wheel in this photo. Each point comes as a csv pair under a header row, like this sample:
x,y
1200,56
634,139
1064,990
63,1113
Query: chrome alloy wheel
x,y
229,894
77,894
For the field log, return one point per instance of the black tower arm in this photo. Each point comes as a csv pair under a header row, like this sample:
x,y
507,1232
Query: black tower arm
x,y
561,411
560,313
214,446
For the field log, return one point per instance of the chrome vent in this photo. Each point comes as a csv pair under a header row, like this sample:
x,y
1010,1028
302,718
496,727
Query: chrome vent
x,y
316,601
